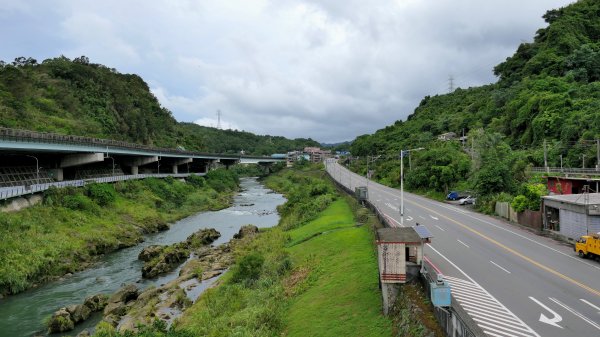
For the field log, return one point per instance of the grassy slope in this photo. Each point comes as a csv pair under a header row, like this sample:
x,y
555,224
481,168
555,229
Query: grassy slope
x,y
46,241
344,300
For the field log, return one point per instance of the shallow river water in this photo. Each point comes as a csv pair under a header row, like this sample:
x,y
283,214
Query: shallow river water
x,y
23,314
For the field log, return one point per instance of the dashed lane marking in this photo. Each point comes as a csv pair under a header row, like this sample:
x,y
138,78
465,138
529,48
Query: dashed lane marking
x,y
440,228
590,304
576,313
487,312
462,243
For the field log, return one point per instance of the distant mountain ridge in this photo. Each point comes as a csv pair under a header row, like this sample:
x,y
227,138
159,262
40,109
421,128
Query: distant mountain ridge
x,y
76,97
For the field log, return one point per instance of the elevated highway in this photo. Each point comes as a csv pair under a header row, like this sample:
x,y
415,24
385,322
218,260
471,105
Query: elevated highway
x,y
510,281
61,160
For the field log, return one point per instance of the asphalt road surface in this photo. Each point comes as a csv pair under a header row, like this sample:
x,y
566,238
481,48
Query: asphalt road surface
x,y
511,281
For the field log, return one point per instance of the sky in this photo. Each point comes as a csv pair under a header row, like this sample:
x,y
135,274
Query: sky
x,y
328,70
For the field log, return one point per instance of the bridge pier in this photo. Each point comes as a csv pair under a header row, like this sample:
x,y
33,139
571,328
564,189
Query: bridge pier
x,y
134,163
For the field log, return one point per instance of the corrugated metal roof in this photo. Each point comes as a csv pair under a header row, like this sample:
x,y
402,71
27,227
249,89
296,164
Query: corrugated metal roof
x,y
577,199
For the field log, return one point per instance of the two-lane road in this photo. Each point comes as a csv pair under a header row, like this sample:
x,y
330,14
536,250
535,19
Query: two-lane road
x,y
510,281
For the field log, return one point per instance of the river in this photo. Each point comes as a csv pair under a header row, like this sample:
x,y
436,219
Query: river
x,y
23,314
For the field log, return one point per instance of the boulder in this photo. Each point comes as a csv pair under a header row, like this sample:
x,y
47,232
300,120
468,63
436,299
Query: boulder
x,y
125,294
245,231
79,312
150,252
96,302
117,309
203,237
60,321
112,320
168,260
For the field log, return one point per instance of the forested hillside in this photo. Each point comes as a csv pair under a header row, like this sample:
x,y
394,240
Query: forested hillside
x,y
81,98
547,92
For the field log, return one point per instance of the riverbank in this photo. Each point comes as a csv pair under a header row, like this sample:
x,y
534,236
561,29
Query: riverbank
x,y
314,274
72,227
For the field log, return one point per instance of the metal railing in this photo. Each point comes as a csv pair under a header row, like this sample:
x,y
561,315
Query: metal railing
x,y
17,191
17,135
565,170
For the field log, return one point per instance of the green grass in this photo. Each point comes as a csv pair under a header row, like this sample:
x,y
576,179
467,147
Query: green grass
x,y
344,298
62,236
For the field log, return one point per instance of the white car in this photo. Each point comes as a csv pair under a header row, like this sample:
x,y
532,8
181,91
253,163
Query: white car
x,y
467,201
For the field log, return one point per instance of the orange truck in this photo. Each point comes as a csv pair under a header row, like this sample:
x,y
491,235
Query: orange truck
x,y
588,246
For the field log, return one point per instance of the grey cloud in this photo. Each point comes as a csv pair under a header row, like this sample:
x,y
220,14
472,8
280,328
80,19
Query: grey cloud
x,y
330,70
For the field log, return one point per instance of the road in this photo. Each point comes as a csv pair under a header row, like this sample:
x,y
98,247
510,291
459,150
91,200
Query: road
x,y
511,281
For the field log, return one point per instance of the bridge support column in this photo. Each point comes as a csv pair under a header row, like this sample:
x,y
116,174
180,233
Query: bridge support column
x,y
81,159
175,169
135,170
57,174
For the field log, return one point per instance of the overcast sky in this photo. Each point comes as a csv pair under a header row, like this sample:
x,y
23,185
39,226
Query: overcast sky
x,y
329,70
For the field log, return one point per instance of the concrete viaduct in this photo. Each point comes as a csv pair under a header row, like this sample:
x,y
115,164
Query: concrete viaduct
x,y
55,158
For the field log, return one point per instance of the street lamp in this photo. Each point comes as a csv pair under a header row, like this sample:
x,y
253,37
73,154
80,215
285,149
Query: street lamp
x,y
37,167
113,164
402,153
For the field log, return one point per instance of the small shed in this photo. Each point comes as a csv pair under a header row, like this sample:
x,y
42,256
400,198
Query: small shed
x,y
400,251
572,215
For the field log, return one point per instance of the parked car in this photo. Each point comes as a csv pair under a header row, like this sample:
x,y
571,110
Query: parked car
x,y
453,195
469,200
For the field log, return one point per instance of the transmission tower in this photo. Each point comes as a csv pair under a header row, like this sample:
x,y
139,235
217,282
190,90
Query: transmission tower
x,y
450,83
219,119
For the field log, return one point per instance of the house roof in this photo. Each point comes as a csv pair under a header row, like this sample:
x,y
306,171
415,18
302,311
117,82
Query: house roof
x,y
576,199
398,235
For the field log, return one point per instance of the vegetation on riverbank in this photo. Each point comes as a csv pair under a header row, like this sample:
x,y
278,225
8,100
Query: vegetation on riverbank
x,y
313,275
73,225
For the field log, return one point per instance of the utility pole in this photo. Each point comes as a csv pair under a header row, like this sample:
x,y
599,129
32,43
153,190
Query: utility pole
x,y
583,161
597,154
546,157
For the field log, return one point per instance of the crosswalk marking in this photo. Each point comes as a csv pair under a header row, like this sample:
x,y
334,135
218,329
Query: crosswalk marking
x,y
488,313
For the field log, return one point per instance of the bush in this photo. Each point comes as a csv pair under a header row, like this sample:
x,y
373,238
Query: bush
x,y
102,194
196,181
79,202
248,269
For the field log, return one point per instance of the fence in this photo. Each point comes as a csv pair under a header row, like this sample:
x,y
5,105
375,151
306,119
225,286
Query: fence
x,y
527,218
12,192
565,170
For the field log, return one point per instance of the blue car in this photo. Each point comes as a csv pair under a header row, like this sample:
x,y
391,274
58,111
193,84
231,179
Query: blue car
x,y
453,195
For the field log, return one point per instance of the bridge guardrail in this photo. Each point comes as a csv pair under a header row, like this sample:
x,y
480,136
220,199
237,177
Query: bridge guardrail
x,y
17,191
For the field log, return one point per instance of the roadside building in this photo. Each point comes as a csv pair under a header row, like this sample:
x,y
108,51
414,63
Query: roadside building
x,y
400,253
316,154
572,215
570,185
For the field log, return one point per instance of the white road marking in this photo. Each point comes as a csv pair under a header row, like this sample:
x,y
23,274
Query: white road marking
x,y
396,209
422,217
574,312
544,319
409,218
434,218
464,244
481,293
590,304
440,228
497,265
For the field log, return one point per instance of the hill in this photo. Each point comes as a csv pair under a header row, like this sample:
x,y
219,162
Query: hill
x,y
548,92
81,98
